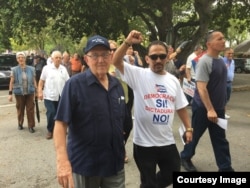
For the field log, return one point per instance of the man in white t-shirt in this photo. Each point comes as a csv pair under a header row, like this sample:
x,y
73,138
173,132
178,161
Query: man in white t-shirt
x,y
158,95
190,66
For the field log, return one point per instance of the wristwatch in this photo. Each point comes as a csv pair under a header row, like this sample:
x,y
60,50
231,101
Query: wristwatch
x,y
190,129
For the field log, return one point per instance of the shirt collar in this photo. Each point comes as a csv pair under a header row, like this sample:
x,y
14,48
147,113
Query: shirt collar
x,y
91,79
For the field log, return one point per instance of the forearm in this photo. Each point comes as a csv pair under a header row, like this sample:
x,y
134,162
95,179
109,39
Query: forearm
x,y
139,60
59,135
207,102
184,116
117,59
40,89
205,98
35,83
172,56
11,87
188,74
11,83
40,86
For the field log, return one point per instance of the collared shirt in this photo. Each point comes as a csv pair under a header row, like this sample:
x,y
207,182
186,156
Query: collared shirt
x,y
96,118
55,79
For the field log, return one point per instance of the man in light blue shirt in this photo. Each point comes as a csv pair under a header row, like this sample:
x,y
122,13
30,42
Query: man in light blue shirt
x,y
228,59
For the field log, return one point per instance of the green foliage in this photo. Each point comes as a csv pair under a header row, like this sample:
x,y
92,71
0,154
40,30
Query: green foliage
x,y
47,24
236,26
226,11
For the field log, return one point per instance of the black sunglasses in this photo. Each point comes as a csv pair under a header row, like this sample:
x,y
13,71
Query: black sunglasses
x,y
210,32
155,56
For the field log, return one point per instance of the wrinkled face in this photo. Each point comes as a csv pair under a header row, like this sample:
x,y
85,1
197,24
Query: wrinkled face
x,y
21,59
217,41
66,57
98,60
56,58
157,58
229,54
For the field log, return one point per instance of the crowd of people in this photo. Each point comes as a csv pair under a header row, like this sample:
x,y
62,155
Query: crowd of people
x,y
90,115
41,78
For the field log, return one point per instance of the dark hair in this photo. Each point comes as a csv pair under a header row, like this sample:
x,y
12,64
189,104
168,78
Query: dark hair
x,y
157,42
209,35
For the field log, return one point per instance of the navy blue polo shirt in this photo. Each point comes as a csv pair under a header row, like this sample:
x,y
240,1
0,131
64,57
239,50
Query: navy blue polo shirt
x,y
96,118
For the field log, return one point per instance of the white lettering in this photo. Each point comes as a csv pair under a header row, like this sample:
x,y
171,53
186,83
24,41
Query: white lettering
x,y
237,181
200,179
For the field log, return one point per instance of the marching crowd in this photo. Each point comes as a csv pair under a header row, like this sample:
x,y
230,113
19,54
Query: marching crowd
x,y
91,102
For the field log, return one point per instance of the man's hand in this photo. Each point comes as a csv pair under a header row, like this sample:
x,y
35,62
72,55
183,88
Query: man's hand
x,y
40,95
64,174
212,116
134,37
187,137
136,53
10,98
131,59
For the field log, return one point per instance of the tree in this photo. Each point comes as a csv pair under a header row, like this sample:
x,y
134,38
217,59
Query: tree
x,y
173,21
233,35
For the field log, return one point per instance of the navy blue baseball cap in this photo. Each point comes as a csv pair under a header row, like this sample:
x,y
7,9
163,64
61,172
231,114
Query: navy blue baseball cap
x,y
94,41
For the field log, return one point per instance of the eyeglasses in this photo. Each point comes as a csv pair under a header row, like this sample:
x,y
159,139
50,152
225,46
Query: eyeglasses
x,y
96,56
155,56
113,50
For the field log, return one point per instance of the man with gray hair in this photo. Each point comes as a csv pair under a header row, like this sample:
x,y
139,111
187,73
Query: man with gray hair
x,y
50,87
89,126
66,61
229,62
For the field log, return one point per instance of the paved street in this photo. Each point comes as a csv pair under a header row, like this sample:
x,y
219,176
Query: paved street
x,y
28,160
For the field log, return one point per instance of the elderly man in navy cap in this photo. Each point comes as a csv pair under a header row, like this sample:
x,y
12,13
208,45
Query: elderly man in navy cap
x,y
93,109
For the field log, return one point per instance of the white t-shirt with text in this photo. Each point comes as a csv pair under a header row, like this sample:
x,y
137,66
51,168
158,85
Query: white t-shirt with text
x,y
156,97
